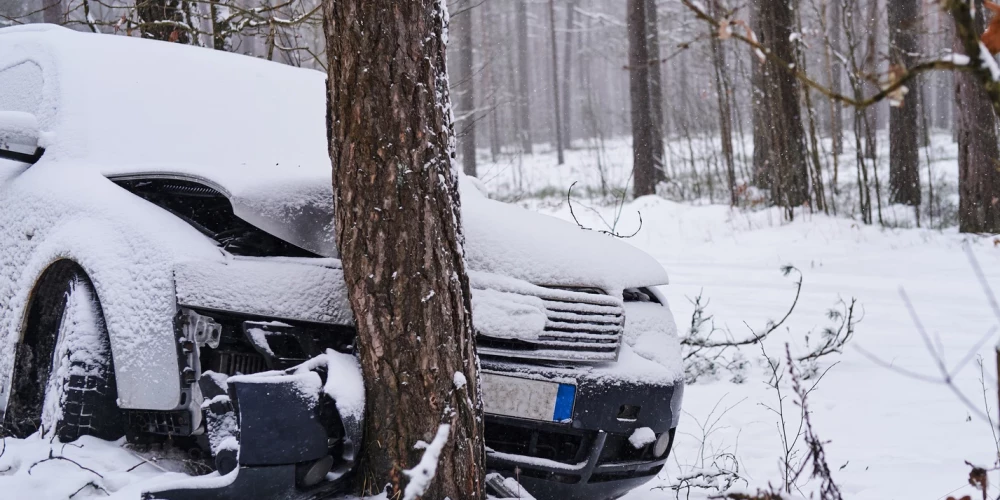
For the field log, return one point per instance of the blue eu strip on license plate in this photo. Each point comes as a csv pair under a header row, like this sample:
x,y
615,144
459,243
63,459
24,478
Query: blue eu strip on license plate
x,y
564,403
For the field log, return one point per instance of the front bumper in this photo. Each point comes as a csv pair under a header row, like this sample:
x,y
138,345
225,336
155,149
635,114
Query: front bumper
x,y
590,456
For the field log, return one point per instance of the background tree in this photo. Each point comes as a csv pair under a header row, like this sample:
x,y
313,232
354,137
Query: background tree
x,y
643,162
400,239
555,83
167,20
781,164
465,88
904,131
524,77
978,151
53,11
656,87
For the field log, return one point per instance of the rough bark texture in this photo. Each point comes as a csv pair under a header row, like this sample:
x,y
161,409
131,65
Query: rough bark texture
x,y
163,20
779,143
466,91
523,76
904,157
399,235
978,152
643,163
555,82
655,86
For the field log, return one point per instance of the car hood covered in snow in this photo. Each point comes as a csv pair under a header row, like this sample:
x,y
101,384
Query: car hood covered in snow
x,y
257,131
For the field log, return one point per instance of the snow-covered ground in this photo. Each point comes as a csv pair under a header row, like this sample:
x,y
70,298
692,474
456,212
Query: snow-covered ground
x,y
889,436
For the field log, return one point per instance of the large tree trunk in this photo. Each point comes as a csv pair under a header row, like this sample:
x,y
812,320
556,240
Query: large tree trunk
x,y
904,157
523,76
399,235
978,153
779,143
555,82
466,91
643,162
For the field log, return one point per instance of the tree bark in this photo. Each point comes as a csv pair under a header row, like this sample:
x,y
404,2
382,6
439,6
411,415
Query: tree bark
x,y
836,85
904,131
399,234
466,91
567,85
978,152
655,87
779,143
555,82
524,77
643,162
725,111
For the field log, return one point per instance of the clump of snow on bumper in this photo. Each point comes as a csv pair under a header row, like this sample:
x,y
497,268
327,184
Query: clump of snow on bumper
x,y
641,437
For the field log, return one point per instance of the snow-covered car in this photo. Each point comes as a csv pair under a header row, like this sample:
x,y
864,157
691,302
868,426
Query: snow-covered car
x,y
166,237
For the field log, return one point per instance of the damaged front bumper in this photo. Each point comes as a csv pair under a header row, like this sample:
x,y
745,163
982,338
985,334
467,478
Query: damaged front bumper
x,y
587,455
303,451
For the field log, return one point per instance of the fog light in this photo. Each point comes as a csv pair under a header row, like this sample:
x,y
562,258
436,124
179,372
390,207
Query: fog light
x,y
662,445
311,473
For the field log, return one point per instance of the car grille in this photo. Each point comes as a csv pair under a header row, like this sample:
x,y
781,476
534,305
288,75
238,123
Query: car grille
x,y
581,325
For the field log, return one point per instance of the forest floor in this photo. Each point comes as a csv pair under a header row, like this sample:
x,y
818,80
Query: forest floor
x,y
889,435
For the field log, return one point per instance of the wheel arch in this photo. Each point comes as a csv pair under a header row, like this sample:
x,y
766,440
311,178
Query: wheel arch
x,y
139,322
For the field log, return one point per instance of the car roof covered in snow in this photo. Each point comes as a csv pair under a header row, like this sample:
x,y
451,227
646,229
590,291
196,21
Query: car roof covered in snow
x,y
128,104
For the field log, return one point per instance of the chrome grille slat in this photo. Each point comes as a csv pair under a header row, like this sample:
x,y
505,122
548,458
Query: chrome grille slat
x,y
583,326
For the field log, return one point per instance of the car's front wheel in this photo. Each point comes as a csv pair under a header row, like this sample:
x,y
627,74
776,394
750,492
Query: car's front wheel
x,y
64,379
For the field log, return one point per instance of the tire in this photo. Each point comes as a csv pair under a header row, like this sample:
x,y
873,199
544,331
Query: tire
x,y
66,357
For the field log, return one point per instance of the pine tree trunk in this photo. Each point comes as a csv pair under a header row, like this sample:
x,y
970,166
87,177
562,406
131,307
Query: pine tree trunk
x,y
655,86
779,142
643,161
834,65
492,64
567,85
524,76
978,152
466,90
555,82
725,111
904,131
399,235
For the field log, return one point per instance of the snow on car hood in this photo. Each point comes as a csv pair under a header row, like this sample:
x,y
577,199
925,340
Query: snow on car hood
x,y
500,238
257,130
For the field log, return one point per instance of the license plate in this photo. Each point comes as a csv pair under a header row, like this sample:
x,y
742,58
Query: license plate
x,y
526,398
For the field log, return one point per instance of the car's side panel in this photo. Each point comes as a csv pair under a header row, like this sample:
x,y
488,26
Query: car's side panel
x,y
127,246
